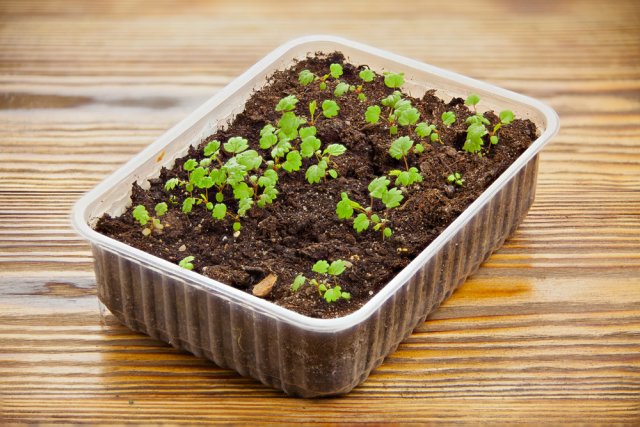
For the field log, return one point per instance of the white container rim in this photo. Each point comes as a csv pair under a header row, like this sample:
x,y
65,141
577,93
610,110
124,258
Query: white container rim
x,y
266,307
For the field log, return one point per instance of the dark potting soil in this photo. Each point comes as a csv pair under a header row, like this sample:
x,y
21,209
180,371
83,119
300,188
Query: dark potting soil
x,y
301,226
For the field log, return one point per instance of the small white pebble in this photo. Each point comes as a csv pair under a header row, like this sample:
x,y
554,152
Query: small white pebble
x,y
182,248
370,292
236,234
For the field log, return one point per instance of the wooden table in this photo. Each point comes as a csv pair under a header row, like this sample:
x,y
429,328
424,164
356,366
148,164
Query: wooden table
x,y
549,328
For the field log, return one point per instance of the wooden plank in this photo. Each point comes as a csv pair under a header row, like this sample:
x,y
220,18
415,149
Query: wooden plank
x,y
548,331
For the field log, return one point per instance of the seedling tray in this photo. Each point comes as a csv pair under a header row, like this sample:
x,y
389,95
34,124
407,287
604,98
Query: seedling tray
x,y
301,355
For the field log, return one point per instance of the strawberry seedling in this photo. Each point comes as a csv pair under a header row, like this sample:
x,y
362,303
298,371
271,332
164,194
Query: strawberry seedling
x,y
325,281
400,149
455,178
365,218
141,215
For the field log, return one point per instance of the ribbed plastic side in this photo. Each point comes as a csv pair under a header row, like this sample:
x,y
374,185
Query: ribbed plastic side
x,y
284,355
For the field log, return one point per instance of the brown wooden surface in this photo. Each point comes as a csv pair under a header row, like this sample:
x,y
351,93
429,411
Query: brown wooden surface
x,y
548,330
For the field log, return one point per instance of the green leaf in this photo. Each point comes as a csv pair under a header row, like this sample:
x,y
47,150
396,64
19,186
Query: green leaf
x,y
219,176
171,184
337,267
187,205
341,89
335,150
361,223
393,80
237,226
344,208
161,208
323,85
400,147
372,115
330,108
281,148
305,77
268,196
333,173
309,146
236,144
298,282
267,140
307,131
378,187
141,215
197,174
494,139
244,205
423,129
268,179
289,124
321,267
186,262
314,174
211,147
313,105
408,116
392,100
387,232
506,116
250,159
267,129
242,191
401,105
392,198
293,162
332,295
287,103
219,211
335,70
474,142
393,130
448,118
362,97
472,99
190,165
418,149
367,75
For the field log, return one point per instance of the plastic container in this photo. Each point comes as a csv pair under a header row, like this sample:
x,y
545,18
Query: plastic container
x,y
301,355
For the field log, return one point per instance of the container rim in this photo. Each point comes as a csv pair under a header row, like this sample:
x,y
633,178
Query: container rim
x,y
266,307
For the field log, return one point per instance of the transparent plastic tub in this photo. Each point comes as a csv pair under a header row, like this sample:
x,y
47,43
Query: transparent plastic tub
x,y
301,355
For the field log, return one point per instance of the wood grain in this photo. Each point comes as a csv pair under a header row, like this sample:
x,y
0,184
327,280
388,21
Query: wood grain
x,y
547,331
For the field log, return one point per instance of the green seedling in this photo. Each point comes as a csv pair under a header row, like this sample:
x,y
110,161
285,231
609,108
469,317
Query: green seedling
x,y
186,262
330,108
367,75
455,178
325,281
287,103
341,89
472,100
400,149
393,80
400,112
506,117
477,127
306,77
311,147
448,118
366,218
425,130
141,215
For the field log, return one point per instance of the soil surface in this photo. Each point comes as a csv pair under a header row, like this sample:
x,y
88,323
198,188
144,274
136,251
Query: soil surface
x,y
301,226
